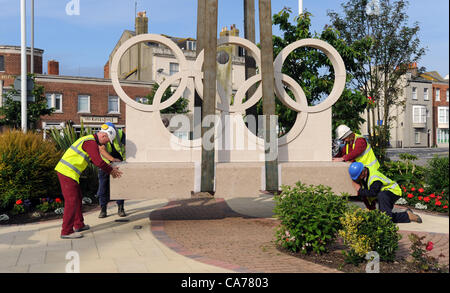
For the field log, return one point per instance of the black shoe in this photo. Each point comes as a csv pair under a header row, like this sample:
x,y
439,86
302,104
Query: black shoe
x,y
121,211
103,212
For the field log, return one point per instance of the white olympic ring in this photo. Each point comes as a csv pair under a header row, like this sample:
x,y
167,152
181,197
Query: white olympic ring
x,y
299,105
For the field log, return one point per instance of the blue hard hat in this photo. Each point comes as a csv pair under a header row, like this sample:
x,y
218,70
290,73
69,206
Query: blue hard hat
x,y
111,124
355,170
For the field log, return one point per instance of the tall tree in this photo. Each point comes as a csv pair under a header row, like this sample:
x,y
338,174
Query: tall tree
x,y
382,32
314,72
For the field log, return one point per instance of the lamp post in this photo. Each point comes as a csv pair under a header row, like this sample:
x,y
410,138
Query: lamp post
x,y
23,51
32,38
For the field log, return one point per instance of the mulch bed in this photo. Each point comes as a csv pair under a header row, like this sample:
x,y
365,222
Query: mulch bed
x,y
211,229
27,218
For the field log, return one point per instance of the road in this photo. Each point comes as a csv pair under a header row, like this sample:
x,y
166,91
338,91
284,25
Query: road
x,y
423,154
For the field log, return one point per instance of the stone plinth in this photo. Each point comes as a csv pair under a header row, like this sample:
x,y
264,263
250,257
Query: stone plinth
x,y
177,180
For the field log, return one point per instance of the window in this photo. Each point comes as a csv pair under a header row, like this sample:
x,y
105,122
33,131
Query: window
x,y
174,68
113,105
54,101
446,95
2,63
241,52
443,115
141,100
419,114
438,94
84,104
442,135
417,137
191,45
414,93
425,94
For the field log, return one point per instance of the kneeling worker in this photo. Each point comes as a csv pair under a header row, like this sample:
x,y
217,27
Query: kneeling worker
x,y
372,185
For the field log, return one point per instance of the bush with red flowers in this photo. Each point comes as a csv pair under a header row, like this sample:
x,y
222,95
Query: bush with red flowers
x,y
420,257
418,197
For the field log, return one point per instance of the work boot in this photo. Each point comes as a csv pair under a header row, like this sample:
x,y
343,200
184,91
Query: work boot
x,y
413,217
121,210
102,212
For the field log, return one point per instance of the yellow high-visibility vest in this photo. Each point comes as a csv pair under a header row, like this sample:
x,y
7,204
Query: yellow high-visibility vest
x,y
117,145
388,184
75,159
367,157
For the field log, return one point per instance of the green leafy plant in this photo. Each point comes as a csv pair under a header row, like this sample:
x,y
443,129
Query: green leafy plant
x,y
309,217
404,171
364,231
421,259
437,175
27,165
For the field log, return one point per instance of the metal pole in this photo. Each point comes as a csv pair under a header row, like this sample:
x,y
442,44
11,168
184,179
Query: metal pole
x,y
32,38
23,51
300,7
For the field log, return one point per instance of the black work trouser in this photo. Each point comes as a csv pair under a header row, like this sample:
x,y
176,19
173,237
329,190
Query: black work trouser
x,y
386,201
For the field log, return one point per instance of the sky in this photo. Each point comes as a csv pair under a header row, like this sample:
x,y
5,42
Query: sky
x,y
82,42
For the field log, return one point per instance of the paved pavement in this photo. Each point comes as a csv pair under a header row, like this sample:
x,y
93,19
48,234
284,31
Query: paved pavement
x,y
131,247
423,154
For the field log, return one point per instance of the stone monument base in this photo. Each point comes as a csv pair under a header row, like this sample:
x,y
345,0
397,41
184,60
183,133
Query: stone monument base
x,y
179,180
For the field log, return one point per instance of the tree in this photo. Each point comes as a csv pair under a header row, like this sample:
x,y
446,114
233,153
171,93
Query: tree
x,y
314,72
10,113
180,106
387,46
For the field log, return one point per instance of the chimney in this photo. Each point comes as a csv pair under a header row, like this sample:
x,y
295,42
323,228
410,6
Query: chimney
x,y
141,25
106,70
53,67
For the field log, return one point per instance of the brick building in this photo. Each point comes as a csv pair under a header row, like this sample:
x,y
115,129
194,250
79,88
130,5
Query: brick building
x,y
440,97
92,101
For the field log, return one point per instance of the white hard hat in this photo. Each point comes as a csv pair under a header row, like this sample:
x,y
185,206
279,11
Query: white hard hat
x,y
109,131
342,132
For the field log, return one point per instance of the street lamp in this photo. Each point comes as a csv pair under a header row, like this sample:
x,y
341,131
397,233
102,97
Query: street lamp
x,y
23,53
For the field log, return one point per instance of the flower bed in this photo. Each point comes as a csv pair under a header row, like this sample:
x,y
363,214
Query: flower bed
x,y
419,198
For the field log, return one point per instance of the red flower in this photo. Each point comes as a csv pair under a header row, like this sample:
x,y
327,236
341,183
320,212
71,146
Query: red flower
x,y
58,200
426,199
438,203
420,198
432,195
421,190
429,246
445,207
19,202
439,197
413,189
410,195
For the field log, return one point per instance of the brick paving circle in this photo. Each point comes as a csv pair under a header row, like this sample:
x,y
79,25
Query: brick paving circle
x,y
209,231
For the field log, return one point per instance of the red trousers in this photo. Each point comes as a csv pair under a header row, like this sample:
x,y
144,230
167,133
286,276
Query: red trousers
x,y
73,217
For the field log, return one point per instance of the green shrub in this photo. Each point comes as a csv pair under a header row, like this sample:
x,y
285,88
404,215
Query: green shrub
x,y
309,217
437,175
27,165
364,231
404,171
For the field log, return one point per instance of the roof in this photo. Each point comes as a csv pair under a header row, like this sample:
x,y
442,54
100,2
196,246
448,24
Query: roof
x,y
432,75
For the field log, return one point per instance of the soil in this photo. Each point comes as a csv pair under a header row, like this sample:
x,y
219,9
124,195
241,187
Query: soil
x,y
27,218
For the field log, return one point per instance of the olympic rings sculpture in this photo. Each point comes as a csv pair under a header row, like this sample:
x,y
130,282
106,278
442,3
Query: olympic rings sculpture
x,y
299,105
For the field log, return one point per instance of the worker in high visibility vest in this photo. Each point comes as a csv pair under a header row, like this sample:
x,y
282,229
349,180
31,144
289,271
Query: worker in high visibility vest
x,y
356,149
111,152
373,186
74,161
